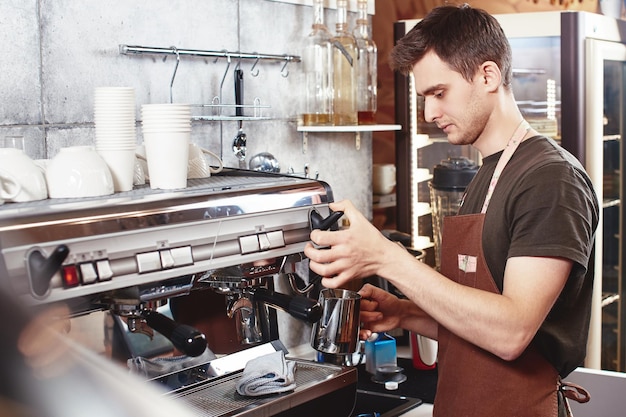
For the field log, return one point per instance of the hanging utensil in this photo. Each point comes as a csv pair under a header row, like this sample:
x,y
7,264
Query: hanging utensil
x,y
241,140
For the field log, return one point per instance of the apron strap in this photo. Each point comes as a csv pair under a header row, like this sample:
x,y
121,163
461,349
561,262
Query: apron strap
x,y
569,390
574,392
508,152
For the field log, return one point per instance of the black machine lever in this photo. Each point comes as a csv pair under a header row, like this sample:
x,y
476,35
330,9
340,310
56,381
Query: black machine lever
x,y
185,338
321,223
42,269
300,307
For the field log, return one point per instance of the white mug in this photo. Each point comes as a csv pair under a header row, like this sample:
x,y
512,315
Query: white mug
x,y
9,186
25,172
383,178
198,162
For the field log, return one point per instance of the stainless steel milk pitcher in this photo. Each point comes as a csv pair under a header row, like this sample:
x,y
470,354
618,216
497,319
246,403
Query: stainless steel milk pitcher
x,y
337,332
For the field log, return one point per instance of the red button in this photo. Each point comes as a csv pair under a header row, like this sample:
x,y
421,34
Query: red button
x,y
70,276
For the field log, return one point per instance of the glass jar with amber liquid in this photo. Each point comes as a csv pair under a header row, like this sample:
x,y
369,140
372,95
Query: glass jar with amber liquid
x,y
317,64
366,67
344,70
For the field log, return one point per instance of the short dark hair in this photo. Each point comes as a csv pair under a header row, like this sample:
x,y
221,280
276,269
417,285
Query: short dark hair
x,y
462,36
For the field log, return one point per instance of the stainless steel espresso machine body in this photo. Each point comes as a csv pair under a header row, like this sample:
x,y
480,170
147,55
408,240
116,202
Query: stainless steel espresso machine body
x,y
132,251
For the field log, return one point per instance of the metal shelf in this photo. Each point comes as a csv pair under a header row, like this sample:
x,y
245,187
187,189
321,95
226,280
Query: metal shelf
x,y
357,129
217,110
382,201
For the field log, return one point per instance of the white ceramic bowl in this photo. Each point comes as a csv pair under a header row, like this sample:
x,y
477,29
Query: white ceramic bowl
x,y
78,171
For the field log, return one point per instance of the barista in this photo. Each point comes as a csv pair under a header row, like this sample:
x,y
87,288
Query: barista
x,y
511,305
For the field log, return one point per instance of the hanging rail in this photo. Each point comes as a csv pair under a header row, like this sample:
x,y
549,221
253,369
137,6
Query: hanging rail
x,y
229,56
134,49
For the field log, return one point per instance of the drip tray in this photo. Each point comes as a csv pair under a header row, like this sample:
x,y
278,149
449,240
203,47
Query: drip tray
x,y
334,386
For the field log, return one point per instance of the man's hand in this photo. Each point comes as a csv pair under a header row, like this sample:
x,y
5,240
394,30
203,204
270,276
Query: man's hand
x,y
353,253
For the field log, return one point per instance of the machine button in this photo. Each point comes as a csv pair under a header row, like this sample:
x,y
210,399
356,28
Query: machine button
x,y
182,256
276,239
167,261
148,262
103,267
88,273
69,277
249,244
264,242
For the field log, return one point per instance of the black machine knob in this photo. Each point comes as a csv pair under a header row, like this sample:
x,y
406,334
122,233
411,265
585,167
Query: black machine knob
x,y
185,338
42,269
300,307
321,223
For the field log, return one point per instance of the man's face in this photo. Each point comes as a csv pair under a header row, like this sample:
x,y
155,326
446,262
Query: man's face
x,y
457,106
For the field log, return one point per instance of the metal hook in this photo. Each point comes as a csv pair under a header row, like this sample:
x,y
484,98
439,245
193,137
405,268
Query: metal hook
x,y
284,73
252,71
225,73
174,74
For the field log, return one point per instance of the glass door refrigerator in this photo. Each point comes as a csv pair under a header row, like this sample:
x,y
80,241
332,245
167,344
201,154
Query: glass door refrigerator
x,y
570,82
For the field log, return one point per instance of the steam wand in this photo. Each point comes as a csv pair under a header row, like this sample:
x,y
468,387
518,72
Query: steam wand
x,y
185,338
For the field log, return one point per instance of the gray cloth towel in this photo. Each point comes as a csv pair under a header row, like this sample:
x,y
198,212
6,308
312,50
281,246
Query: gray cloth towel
x,y
267,374
152,368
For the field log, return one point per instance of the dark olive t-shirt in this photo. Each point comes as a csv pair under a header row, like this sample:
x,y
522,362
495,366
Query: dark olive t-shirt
x,y
543,205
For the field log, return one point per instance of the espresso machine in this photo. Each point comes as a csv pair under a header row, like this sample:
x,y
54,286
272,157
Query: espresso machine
x,y
131,252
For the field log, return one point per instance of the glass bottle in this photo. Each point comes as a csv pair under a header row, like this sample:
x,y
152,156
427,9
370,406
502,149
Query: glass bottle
x,y
366,67
317,65
344,70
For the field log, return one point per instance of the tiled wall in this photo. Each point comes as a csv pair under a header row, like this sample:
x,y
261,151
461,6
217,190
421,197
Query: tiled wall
x,y
55,52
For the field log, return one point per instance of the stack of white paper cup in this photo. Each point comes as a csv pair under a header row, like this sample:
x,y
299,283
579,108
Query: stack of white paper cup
x,y
166,135
116,133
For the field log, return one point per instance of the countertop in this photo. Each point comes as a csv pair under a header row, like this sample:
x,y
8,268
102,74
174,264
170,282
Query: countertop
x,y
425,409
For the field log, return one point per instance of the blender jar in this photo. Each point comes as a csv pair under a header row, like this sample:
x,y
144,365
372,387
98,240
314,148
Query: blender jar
x,y
450,178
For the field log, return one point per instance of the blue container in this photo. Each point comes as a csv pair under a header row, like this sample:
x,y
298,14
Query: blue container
x,y
380,350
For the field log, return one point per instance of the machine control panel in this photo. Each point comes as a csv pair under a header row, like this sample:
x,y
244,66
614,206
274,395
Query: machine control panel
x,y
79,249
164,259
90,272
86,273
261,242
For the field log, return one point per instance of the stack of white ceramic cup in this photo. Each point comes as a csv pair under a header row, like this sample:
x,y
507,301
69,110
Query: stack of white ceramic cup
x,y
116,133
166,134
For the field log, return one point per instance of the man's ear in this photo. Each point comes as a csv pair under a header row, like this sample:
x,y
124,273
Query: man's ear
x,y
490,76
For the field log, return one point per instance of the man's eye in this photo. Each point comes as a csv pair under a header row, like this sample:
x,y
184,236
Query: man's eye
x,y
438,94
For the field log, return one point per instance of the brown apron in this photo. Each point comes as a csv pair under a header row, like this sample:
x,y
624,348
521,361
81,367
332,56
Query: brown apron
x,y
472,381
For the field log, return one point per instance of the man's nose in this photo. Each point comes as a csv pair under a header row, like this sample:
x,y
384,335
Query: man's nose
x,y
430,111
